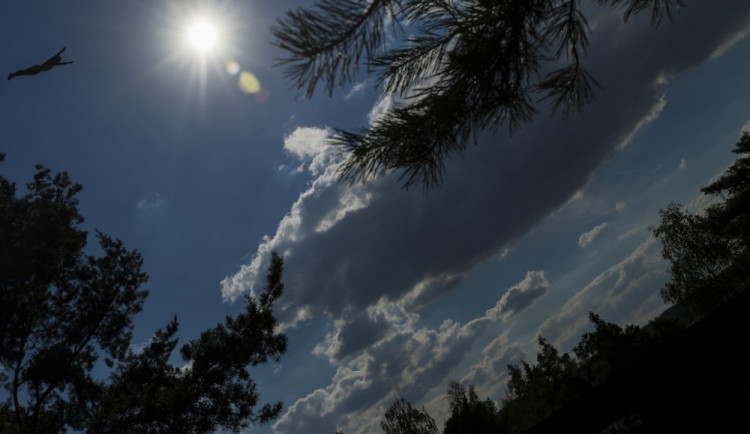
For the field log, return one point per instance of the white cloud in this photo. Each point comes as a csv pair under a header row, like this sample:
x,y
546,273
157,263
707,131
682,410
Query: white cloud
x,y
489,374
652,114
406,362
620,205
521,295
383,105
355,90
587,238
682,164
153,204
729,43
309,145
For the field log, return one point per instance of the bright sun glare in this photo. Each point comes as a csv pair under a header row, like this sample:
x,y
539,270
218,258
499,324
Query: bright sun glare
x,y
203,36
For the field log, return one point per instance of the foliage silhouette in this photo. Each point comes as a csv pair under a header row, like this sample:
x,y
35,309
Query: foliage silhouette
x,y
468,412
462,67
536,390
62,311
402,418
709,254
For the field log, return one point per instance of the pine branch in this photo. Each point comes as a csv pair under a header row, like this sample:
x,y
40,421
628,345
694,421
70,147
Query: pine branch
x,y
470,66
410,138
327,44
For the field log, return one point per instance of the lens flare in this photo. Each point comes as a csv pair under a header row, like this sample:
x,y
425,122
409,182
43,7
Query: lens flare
x,y
248,83
232,67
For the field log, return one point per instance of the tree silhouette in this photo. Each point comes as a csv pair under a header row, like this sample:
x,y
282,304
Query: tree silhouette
x,y
65,314
60,308
213,389
611,348
463,67
402,418
469,414
536,390
709,253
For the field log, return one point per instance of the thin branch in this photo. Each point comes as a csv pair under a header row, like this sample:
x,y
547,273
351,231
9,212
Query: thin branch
x,y
325,44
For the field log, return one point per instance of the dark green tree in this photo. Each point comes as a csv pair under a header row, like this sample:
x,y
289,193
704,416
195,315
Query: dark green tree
x,y
60,309
64,314
213,389
708,253
462,67
610,348
535,391
402,418
469,414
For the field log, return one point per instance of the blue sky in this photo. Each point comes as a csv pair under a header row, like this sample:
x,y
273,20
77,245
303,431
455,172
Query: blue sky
x,y
388,292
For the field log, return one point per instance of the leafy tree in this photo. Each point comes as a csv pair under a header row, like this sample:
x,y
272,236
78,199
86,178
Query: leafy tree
x,y
213,389
709,253
62,311
462,67
469,414
534,391
402,418
610,348
60,308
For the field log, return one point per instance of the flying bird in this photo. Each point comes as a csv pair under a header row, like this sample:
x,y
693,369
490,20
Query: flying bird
x,y
50,63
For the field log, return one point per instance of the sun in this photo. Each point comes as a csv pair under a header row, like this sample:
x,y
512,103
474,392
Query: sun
x,y
203,36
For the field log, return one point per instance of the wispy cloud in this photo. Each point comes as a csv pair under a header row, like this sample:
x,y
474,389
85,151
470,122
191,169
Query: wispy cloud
x,y
638,276
355,90
154,204
588,237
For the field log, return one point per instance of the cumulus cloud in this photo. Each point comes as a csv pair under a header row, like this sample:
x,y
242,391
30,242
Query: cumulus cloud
x,y
521,295
308,144
587,238
359,330
407,362
381,241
